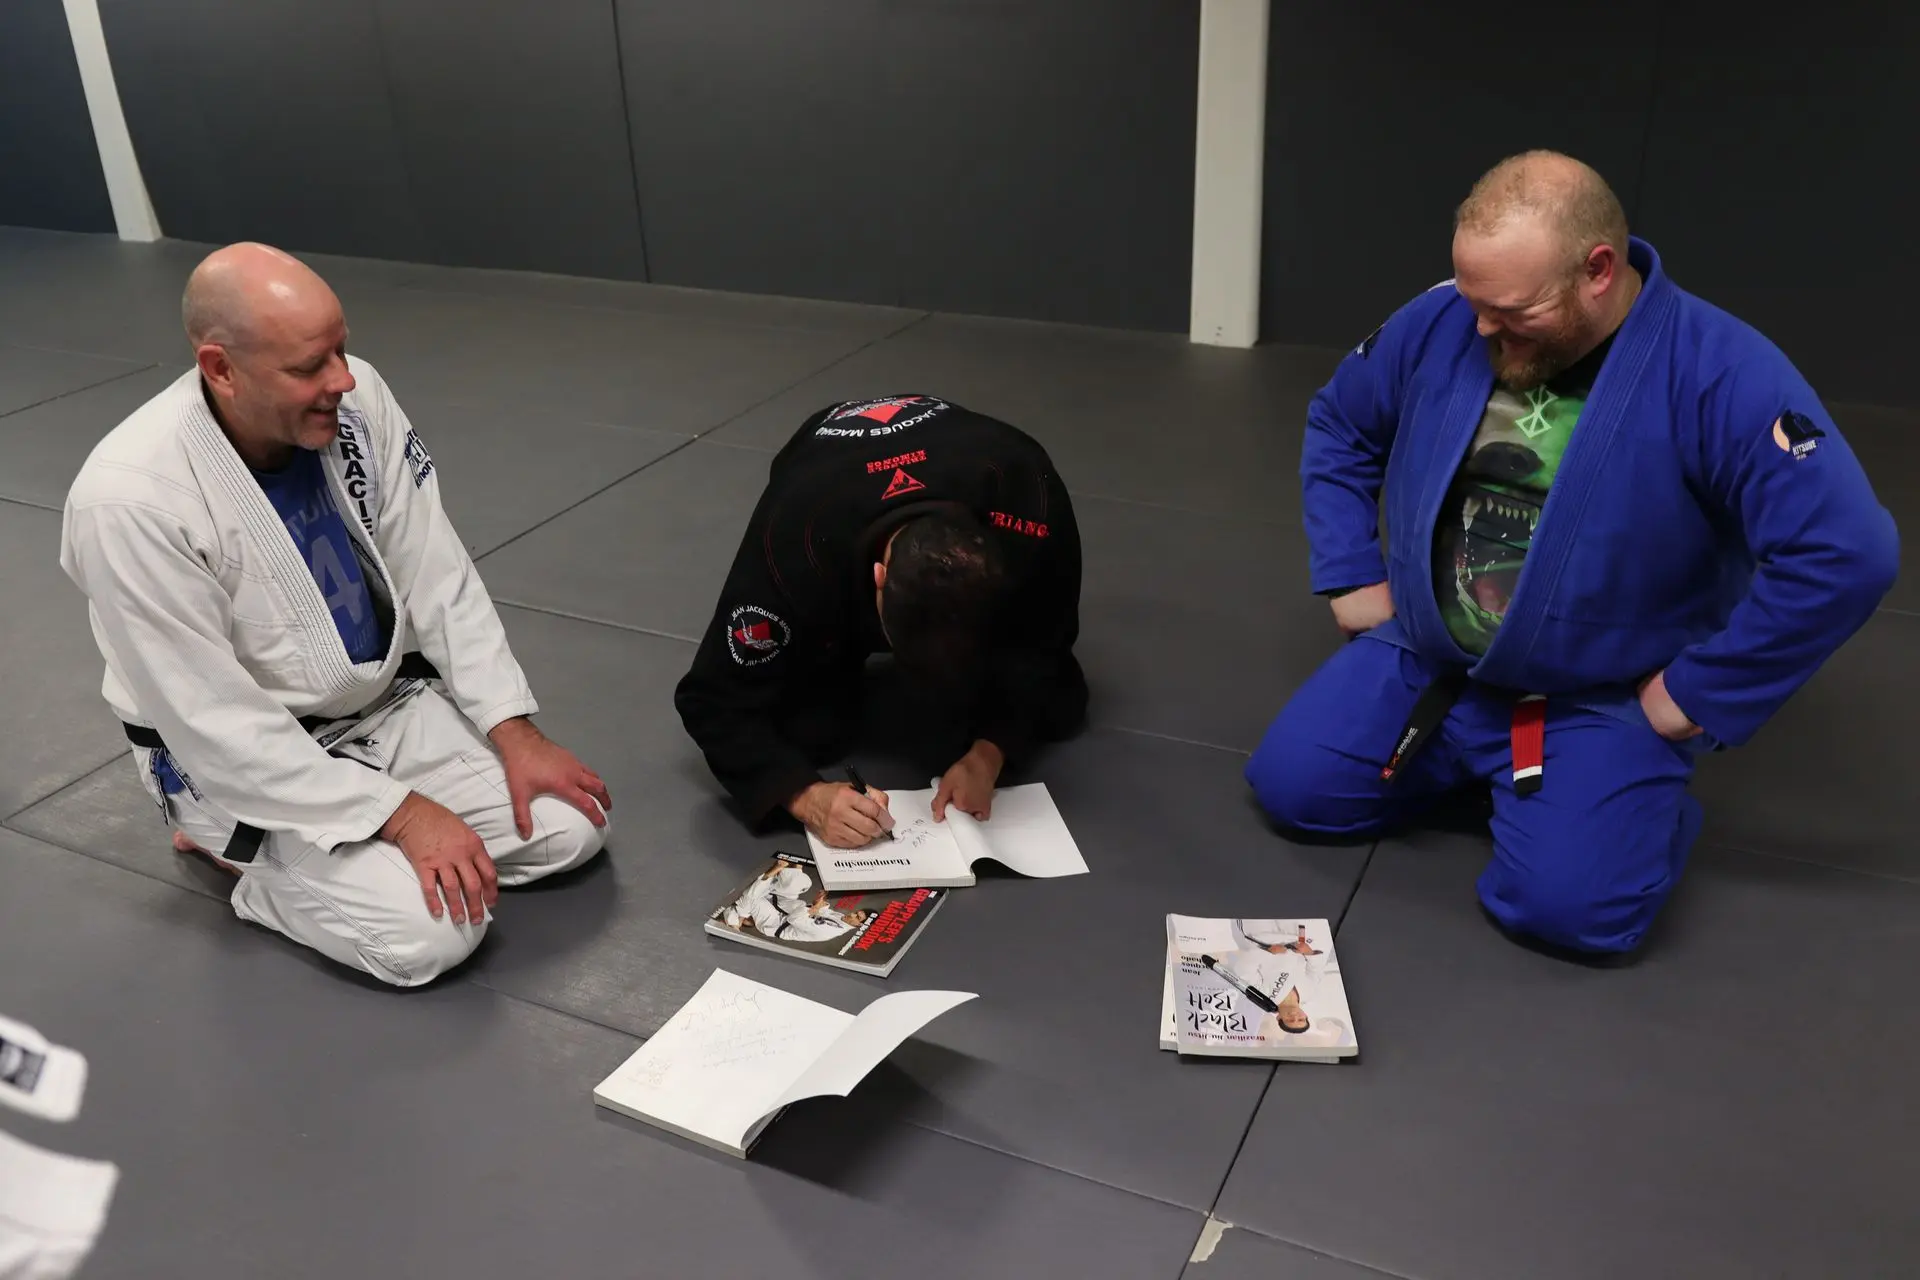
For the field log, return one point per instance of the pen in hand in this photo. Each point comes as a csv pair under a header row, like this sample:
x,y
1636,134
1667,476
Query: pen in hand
x,y
853,776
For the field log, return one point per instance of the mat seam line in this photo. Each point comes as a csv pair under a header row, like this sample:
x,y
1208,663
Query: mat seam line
x,y
60,790
698,435
118,377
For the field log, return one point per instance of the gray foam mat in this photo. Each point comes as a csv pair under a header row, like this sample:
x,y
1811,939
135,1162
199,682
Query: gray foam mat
x,y
1821,781
629,368
502,473
31,375
1147,417
273,1116
47,444
1165,593
1887,442
1239,1254
1734,1104
58,727
1062,1043
100,295
675,528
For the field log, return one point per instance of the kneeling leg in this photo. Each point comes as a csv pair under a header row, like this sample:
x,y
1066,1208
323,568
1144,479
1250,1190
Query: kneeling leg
x,y
1587,862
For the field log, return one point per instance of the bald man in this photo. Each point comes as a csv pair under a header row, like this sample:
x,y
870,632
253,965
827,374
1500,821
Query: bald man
x,y
1620,529
315,683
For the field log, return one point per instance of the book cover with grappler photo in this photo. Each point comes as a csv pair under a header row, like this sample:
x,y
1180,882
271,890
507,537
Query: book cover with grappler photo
x,y
783,907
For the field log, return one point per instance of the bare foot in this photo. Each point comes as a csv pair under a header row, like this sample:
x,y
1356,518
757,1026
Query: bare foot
x,y
181,844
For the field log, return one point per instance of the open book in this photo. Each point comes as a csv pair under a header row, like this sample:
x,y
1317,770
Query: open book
x,y
1025,834
1255,988
740,1052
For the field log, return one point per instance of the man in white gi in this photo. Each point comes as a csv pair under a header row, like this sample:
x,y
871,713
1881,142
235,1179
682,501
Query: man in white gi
x,y
770,898
317,686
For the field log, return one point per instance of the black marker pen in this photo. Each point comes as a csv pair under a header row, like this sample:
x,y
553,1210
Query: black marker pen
x,y
853,776
1241,984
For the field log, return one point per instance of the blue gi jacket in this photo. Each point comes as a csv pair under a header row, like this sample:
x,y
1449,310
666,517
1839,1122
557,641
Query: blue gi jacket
x,y
1684,530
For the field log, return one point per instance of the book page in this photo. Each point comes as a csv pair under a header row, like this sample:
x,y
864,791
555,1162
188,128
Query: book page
x,y
922,849
722,1062
880,1029
1025,834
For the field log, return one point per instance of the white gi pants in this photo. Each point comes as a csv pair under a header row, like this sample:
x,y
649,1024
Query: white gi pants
x,y
362,904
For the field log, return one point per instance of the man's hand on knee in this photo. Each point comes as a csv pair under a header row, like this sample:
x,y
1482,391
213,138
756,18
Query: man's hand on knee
x,y
448,855
1363,609
538,766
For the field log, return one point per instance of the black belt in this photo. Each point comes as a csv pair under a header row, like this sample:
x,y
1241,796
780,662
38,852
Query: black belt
x,y
1528,733
246,839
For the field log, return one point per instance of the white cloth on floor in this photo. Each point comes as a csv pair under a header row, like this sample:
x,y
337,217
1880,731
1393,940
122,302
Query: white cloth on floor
x,y
52,1208
361,903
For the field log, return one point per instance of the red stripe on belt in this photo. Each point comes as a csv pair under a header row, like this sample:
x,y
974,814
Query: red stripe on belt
x,y
1529,743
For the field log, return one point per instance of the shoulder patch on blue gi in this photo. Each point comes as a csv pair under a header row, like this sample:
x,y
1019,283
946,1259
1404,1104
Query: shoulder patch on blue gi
x,y
1796,434
418,460
1365,348
755,635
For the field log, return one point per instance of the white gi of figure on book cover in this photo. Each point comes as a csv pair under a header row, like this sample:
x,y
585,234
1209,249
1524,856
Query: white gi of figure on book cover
x,y
1255,987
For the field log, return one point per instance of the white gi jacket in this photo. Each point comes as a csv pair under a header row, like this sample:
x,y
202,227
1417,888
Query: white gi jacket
x,y
216,635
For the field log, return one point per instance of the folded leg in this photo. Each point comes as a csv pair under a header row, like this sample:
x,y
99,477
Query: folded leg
x,y
1317,770
361,904
1588,861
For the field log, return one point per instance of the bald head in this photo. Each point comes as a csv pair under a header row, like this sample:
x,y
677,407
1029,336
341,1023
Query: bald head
x,y
1546,192
245,291
271,343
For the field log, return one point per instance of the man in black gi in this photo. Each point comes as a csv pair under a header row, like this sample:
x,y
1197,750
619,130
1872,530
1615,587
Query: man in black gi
x,y
908,525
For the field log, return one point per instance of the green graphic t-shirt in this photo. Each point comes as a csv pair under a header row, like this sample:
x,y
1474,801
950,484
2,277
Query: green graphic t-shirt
x,y
1487,523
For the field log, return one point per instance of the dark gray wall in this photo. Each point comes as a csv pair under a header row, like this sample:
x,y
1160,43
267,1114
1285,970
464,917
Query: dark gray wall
x,y
424,130
49,166
995,156
972,155
1767,161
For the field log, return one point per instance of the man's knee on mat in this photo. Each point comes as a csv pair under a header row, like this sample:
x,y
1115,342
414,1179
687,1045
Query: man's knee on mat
x,y
416,954
1297,790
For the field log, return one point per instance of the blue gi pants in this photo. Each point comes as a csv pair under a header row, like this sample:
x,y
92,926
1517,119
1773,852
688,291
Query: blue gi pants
x,y
1584,863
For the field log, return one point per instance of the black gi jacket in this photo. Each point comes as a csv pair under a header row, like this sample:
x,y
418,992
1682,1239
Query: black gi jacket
x,y
796,618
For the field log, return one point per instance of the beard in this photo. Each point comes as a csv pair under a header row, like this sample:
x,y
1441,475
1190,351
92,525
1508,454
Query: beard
x,y
1540,360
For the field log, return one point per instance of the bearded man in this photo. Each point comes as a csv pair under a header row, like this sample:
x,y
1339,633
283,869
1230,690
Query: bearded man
x,y
1620,529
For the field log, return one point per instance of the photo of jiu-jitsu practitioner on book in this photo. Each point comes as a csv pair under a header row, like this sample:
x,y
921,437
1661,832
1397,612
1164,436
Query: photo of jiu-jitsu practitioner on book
x,y
783,907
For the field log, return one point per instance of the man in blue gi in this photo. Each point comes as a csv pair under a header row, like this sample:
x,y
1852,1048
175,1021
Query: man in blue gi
x,y
1619,529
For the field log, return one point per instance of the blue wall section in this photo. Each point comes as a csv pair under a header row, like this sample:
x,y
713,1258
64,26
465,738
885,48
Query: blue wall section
x,y
49,166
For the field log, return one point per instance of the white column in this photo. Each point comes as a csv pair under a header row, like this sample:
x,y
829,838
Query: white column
x,y
132,211
1228,171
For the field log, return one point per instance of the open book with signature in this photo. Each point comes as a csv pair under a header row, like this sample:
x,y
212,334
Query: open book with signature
x,y
1024,833
740,1052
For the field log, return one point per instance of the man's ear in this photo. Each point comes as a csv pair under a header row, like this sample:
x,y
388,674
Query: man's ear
x,y
879,574
215,366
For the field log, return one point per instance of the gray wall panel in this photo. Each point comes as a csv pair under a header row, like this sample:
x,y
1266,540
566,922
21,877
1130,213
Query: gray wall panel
x,y
1047,156
759,132
515,134
1380,117
1779,183
265,119
49,166
972,155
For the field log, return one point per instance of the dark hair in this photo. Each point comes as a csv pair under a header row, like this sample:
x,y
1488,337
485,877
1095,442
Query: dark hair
x,y
944,576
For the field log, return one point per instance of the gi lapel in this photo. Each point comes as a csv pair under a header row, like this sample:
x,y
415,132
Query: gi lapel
x,y
1646,328
228,484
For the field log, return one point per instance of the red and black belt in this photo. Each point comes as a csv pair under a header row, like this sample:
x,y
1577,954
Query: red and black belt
x,y
1529,731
